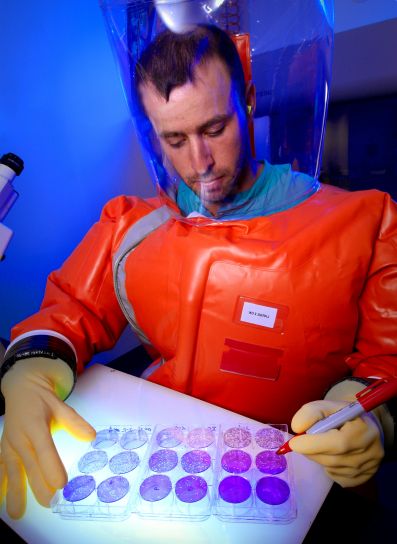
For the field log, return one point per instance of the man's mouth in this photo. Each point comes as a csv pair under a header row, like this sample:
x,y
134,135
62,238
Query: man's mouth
x,y
210,184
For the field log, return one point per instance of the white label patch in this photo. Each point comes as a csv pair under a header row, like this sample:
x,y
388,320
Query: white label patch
x,y
259,315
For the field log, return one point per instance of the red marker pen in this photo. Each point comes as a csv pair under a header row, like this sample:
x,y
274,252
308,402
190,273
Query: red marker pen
x,y
369,398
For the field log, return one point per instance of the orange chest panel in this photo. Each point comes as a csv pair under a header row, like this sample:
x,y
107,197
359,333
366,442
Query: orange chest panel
x,y
304,263
245,312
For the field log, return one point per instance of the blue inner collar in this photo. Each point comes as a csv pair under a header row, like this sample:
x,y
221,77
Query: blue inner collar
x,y
277,188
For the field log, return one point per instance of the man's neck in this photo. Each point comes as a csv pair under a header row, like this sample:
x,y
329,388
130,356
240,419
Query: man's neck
x,y
250,174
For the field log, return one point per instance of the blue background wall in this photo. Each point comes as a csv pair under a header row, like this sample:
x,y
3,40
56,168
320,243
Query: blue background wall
x,y
62,109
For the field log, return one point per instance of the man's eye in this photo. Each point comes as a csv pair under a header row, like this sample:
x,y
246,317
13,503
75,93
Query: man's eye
x,y
176,144
214,132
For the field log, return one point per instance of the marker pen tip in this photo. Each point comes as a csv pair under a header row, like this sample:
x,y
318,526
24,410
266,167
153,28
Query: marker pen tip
x,y
285,448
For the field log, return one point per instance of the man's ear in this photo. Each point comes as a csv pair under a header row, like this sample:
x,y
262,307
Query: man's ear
x,y
250,98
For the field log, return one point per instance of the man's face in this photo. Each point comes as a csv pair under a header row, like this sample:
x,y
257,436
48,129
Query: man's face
x,y
200,132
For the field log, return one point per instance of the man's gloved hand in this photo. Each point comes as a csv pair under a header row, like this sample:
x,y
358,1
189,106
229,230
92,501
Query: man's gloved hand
x,y
350,455
32,389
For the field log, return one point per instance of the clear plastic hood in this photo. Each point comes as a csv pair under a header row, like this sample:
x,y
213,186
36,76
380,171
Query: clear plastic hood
x,y
208,132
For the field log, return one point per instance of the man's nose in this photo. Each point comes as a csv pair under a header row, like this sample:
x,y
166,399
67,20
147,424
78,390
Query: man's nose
x,y
201,156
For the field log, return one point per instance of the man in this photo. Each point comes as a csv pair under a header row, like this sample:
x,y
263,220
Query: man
x,y
258,289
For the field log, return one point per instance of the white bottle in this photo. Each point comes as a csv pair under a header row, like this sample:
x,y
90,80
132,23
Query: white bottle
x,y
10,166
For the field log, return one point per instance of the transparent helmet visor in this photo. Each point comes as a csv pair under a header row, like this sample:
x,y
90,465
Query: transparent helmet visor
x,y
209,123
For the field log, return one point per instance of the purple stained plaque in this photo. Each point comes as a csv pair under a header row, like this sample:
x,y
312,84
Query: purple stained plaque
x,y
270,463
236,461
155,488
163,460
79,488
170,437
200,438
93,461
272,490
191,489
133,439
124,462
234,489
269,438
105,439
195,461
237,437
113,489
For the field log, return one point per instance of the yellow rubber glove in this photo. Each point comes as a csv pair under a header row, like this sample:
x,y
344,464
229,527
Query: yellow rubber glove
x,y
350,455
32,389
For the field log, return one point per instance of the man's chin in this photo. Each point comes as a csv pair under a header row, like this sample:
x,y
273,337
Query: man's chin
x,y
211,194
212,200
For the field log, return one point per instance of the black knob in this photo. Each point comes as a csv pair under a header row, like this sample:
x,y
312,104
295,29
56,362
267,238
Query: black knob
x,y
13,161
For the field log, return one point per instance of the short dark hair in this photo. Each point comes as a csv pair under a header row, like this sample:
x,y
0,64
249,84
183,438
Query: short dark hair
x,y
170,59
